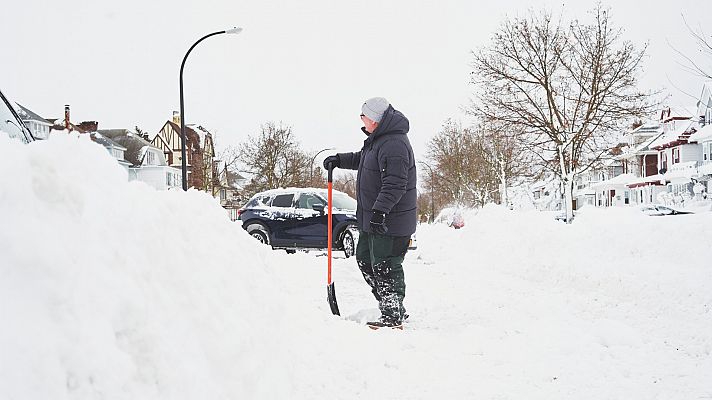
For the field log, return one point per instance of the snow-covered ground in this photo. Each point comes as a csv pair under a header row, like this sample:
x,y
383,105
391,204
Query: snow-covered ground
x,y
109,289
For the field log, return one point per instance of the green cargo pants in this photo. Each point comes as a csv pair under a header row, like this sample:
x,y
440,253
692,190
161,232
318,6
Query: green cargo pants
x,y
380,259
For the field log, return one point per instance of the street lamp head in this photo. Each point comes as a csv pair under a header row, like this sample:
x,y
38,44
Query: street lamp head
x,y
234,30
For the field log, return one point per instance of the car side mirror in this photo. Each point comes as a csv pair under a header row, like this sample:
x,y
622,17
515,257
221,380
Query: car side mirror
x,y
318,207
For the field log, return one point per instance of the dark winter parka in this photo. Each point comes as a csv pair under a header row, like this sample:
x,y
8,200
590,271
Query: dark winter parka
x,y
386,179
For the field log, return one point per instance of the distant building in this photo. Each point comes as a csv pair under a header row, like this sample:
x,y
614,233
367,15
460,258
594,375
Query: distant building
x,y
147,162
39,126
200,152
116,150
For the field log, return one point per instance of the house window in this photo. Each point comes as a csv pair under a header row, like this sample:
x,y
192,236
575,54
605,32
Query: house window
x,y
663,161
150,158
223,194
705,151
675,155
169,179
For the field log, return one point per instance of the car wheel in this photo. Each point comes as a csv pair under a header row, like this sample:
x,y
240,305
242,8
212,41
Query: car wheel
x,y
258,232
348,244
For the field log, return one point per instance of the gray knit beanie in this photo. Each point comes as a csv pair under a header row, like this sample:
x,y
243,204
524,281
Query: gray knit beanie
x,y
374,108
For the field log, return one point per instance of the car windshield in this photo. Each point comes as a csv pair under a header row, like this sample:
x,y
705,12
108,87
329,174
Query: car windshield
x,y
10,124
342,201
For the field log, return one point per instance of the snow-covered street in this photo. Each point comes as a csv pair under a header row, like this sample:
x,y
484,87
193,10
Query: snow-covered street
x,y
110,289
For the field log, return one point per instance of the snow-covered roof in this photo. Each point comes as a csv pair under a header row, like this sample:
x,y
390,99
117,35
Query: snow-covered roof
x,y
680,130
584,192
676,176
648,128
201,131
703,134
289,190
28,115
131,139
105,141
676,112
620,180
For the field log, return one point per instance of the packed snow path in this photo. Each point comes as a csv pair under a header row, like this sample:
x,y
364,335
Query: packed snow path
x,y
110,289
519,305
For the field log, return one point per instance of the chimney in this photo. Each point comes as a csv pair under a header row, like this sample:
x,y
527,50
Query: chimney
x,y
176,117
66,117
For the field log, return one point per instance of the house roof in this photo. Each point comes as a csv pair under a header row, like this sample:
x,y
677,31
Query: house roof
x,y
105,141
678,176
645,146
620,180
177,127
130,140
703,134
201,131
648,128
28,115
676,112
678,135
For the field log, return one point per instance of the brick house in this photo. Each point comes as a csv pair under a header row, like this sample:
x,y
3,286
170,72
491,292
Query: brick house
x,y
200,152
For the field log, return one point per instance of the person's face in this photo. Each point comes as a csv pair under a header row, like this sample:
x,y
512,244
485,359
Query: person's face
x,y
369,124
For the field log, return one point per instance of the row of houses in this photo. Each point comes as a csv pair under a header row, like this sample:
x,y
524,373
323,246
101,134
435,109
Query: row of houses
x,y
665,160
155,160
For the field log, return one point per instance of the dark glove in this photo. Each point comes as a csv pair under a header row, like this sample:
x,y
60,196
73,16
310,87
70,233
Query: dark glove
x,y
333,160
378,222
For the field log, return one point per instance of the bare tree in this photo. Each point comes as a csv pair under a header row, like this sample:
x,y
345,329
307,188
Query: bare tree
x,y
274,159
704,44
346,182
568,87
459,172
500,147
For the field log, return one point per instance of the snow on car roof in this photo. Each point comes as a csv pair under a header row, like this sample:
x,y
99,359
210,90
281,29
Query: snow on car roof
x,y
289,190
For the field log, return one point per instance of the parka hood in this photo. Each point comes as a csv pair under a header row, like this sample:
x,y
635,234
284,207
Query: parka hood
x,y
392,122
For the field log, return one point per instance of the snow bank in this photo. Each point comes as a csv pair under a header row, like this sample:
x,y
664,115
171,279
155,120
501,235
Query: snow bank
x,y
110,289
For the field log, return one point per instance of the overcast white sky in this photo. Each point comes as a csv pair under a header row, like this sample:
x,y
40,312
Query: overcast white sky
x,y
308,63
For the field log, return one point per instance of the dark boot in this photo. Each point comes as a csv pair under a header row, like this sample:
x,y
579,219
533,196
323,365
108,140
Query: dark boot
x,y
385,323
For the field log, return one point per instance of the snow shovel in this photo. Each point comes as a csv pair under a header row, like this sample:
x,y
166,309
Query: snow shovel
x,y
330,289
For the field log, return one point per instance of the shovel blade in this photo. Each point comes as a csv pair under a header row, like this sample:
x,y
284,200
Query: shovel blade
x,y
331,296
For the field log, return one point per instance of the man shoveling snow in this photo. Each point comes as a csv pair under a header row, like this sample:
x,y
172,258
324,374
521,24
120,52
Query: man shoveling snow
x,y
386,205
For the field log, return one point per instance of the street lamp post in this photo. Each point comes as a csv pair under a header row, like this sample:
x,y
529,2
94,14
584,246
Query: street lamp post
x,y
432,198
311,164
184,165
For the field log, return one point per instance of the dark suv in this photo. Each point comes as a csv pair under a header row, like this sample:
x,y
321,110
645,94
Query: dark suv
x,y
296,218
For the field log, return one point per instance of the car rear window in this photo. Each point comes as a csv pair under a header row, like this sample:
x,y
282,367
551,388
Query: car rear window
x,y
283,200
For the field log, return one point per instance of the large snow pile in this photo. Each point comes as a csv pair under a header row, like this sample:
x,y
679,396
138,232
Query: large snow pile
x,y
110,289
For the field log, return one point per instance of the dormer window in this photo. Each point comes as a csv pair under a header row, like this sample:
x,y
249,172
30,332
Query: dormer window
x,y
150,158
